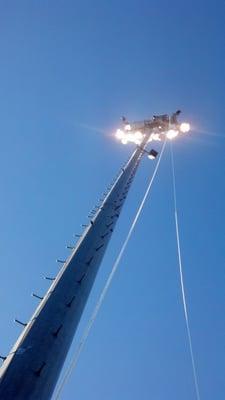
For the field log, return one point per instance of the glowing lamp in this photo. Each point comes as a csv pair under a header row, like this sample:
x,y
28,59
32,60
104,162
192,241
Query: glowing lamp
x,y
171,134
124,140
127,127
119,134
185,127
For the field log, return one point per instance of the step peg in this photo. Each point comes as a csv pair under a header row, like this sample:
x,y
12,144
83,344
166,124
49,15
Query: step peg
x,y
55,334
49,278
69,304
103,236
20,322
36,295
108,225
81,279
98,248
89,261
61,261
39,371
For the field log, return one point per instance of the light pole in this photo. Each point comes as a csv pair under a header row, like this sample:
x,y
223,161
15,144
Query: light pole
x,y
31,369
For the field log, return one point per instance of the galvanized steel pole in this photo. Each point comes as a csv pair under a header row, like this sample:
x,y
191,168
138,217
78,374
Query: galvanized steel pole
x,y
32,368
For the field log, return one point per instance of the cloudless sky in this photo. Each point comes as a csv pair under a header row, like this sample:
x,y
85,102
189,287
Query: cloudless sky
x,y
68,71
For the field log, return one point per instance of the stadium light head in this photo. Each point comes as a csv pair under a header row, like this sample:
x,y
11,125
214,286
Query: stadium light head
x,y
127,127
185,127
172,133
158,128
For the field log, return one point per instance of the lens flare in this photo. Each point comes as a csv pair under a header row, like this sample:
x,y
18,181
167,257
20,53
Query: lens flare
x,y
185,127
124,140
127,127
120,134
138,135
156,137
131,134
129,137
171,134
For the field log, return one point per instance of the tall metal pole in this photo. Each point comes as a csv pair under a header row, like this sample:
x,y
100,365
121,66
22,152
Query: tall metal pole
x,y
31,369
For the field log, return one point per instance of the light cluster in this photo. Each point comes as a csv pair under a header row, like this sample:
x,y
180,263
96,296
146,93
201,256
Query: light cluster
x,y
128,135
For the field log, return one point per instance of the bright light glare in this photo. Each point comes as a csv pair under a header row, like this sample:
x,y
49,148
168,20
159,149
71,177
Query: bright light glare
x,y
171,134
124,140
120,134
156,137
132,137
127,127
128,135
138,135
185,127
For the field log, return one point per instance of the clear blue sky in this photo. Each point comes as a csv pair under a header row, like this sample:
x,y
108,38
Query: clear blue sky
x,y
68,71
